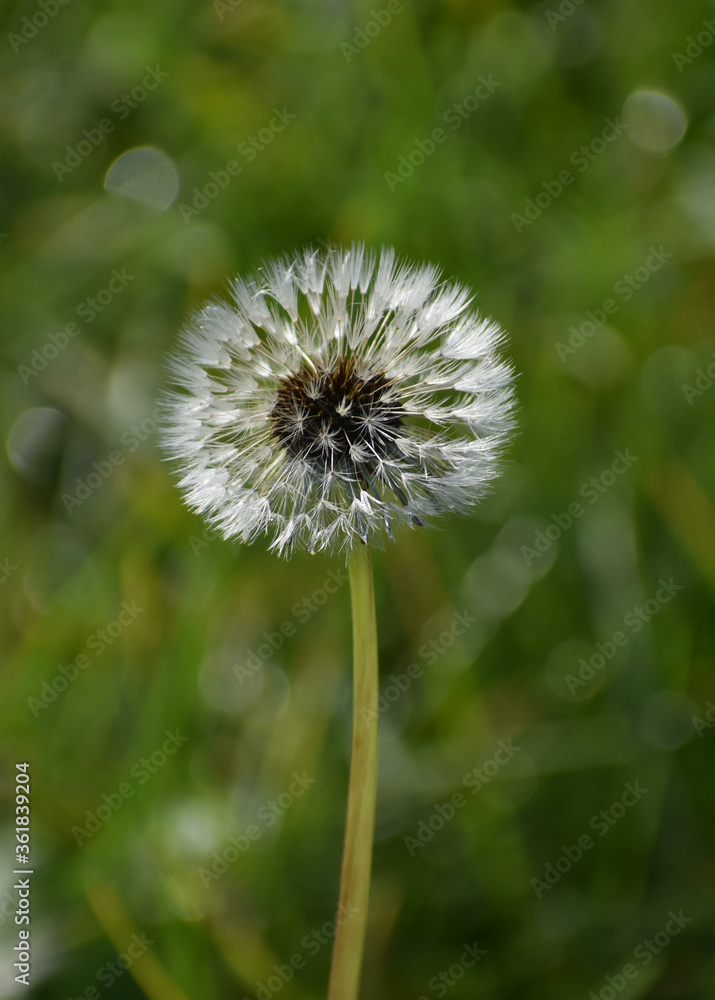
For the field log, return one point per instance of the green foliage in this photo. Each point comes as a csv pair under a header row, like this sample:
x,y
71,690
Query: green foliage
x,y
559,159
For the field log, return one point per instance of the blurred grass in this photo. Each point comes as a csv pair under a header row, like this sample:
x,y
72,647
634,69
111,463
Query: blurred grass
x,y
207,604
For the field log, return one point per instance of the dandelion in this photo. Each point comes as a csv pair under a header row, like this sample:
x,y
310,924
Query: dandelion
x,y
340,396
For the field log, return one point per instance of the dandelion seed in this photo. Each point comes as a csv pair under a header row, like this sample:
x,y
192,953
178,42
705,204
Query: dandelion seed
x,y
339,396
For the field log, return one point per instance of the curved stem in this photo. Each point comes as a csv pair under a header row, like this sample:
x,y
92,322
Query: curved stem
x,y
360,827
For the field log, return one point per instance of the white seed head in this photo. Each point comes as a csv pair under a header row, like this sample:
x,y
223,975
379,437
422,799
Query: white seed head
x,y
339,396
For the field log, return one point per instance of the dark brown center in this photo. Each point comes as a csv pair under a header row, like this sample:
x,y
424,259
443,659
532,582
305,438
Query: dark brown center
x,y
332,415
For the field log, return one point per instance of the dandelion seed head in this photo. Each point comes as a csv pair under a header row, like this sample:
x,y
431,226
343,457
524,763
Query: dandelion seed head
x,y
337,397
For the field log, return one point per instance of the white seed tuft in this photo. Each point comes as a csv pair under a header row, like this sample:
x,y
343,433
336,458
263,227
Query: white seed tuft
x,y
339,396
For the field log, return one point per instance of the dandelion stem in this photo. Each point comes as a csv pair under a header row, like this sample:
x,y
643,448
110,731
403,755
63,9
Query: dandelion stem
x,y
360,826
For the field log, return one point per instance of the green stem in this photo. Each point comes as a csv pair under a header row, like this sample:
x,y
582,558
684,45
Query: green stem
x,y
360,826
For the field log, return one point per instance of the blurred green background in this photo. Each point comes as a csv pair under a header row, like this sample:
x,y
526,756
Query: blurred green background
x,y
150,151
